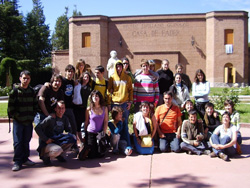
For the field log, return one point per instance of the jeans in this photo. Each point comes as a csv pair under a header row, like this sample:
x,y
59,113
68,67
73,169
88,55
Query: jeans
x,y
226,139
22,135
171,141
72,120
194,149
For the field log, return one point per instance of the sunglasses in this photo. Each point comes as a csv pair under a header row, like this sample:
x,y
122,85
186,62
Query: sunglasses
x,y
125,63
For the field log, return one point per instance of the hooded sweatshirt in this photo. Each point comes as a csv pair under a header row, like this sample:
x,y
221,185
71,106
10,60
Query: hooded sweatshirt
x,y
120,88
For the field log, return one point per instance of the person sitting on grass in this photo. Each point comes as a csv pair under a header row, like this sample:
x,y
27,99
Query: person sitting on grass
x,y
119,135
224,138
192,134
144,129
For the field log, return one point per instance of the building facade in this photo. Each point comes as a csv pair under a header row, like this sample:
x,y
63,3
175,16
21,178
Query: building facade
x,y
216,42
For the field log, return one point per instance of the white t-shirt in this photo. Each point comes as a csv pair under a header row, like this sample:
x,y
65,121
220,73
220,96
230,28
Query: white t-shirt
x,y
221,131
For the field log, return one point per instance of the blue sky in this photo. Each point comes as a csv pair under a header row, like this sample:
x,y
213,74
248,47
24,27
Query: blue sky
x,y
55,8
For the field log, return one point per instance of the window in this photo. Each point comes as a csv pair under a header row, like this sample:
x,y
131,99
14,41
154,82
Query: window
x,y
229,40
86,40
229,36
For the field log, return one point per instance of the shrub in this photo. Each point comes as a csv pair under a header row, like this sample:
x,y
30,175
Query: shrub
x,y
4,91
8,71
218,99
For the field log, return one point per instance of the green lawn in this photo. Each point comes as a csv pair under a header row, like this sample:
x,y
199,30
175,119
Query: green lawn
x,y
3,109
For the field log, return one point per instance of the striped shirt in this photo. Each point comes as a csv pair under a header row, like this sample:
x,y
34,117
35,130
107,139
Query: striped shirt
x,y
145,89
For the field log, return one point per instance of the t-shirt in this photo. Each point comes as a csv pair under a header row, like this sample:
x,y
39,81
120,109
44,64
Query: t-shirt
x,y
100,85
68,90
51,97
222,133
170,122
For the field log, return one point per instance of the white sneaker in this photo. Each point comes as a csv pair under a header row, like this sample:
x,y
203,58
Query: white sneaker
x,y
16,167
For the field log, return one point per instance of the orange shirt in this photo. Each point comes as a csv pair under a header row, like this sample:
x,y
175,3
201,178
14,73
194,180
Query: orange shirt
x,y
171,120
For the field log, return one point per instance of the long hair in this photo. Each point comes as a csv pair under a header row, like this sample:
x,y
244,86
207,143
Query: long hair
x,y
174,90
199,71
101,102
81,78
126,59
78,74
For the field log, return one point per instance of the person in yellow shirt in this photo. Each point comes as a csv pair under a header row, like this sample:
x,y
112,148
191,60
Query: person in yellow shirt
x,y
100,83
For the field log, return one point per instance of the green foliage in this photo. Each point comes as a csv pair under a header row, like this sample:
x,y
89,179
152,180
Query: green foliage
x,y
4,91
218,99
11,31
60,38
8,71
245,91
37,36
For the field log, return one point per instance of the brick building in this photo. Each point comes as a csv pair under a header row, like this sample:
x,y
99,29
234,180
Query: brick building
x,y
216,42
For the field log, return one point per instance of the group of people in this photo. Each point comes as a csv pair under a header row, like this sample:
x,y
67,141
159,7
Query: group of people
x,y
164,115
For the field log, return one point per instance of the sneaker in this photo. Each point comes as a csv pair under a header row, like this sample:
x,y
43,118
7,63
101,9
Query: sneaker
x,y
212,155
206,152
223,156
16,167
61,159
189,152
46,160
29,163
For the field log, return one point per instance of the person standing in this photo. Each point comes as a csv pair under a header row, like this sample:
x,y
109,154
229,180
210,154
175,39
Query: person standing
x,y
166,79
145,88
48,97
120,92
185,77
22,107
200,91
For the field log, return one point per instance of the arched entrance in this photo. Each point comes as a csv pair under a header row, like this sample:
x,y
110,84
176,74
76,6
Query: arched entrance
x,y
229,73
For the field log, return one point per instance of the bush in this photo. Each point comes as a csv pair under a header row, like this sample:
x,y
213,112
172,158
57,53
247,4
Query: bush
x,y
4,91
8,70
218,99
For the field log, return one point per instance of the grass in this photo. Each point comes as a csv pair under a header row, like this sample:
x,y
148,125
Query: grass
x,y
244,110
3,110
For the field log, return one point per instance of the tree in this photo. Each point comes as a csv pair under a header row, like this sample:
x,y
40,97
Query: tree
x,y
38,46
75,13
60,38
11,31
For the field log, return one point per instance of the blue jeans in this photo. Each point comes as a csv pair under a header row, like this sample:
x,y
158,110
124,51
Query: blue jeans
x,y
226,139
125,116
196,150
171,141
22,135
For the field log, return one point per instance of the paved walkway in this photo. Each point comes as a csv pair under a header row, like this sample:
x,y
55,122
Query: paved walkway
x,y
158,170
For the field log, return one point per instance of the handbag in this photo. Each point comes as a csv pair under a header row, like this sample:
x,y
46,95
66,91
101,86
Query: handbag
x,y
146,141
